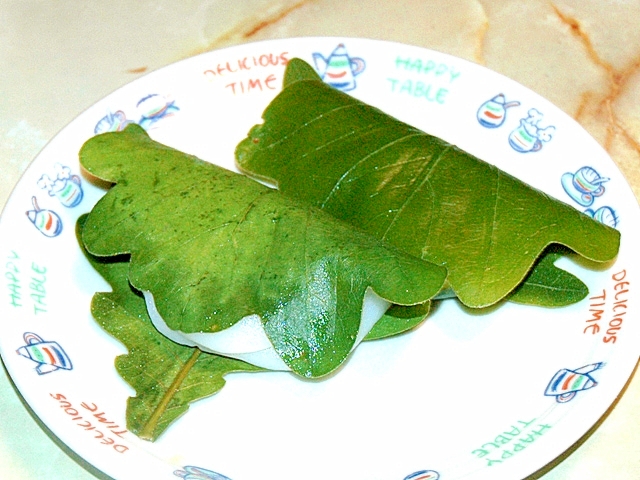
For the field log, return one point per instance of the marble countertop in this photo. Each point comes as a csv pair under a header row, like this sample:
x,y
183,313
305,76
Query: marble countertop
x,y
58,58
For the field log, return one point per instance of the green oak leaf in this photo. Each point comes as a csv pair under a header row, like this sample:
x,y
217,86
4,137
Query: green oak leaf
x,y
549,285
213,246
544,285
166,376
417,192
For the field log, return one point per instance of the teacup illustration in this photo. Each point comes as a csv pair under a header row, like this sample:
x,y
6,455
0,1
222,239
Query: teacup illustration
x,y
65,187
154,107
339,70
584,185
566,383
112,122
493,113
529,136
49,356
604,215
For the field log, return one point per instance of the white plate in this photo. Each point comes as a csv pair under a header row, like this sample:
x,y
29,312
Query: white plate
x,y
464,396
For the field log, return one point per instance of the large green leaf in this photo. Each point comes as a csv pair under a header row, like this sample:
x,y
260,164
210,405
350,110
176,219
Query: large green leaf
x,y
545,284
213,246
415,191
166,376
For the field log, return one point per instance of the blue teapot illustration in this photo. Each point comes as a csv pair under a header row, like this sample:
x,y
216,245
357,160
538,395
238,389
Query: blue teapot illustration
x,y
339,70
493,113
46,221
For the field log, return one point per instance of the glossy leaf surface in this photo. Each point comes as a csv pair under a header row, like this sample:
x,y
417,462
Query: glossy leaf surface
x,y
417,192
213,246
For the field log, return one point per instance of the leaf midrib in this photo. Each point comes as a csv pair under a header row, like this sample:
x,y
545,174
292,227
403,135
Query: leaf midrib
x,y
147,432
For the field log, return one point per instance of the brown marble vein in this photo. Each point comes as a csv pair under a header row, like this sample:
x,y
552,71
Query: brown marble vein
x,y
597,111
249,27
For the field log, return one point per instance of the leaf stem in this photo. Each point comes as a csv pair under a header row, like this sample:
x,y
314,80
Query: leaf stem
x,y
147,431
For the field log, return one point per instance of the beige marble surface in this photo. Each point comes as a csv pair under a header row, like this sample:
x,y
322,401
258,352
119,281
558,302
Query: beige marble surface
x,y
58,58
